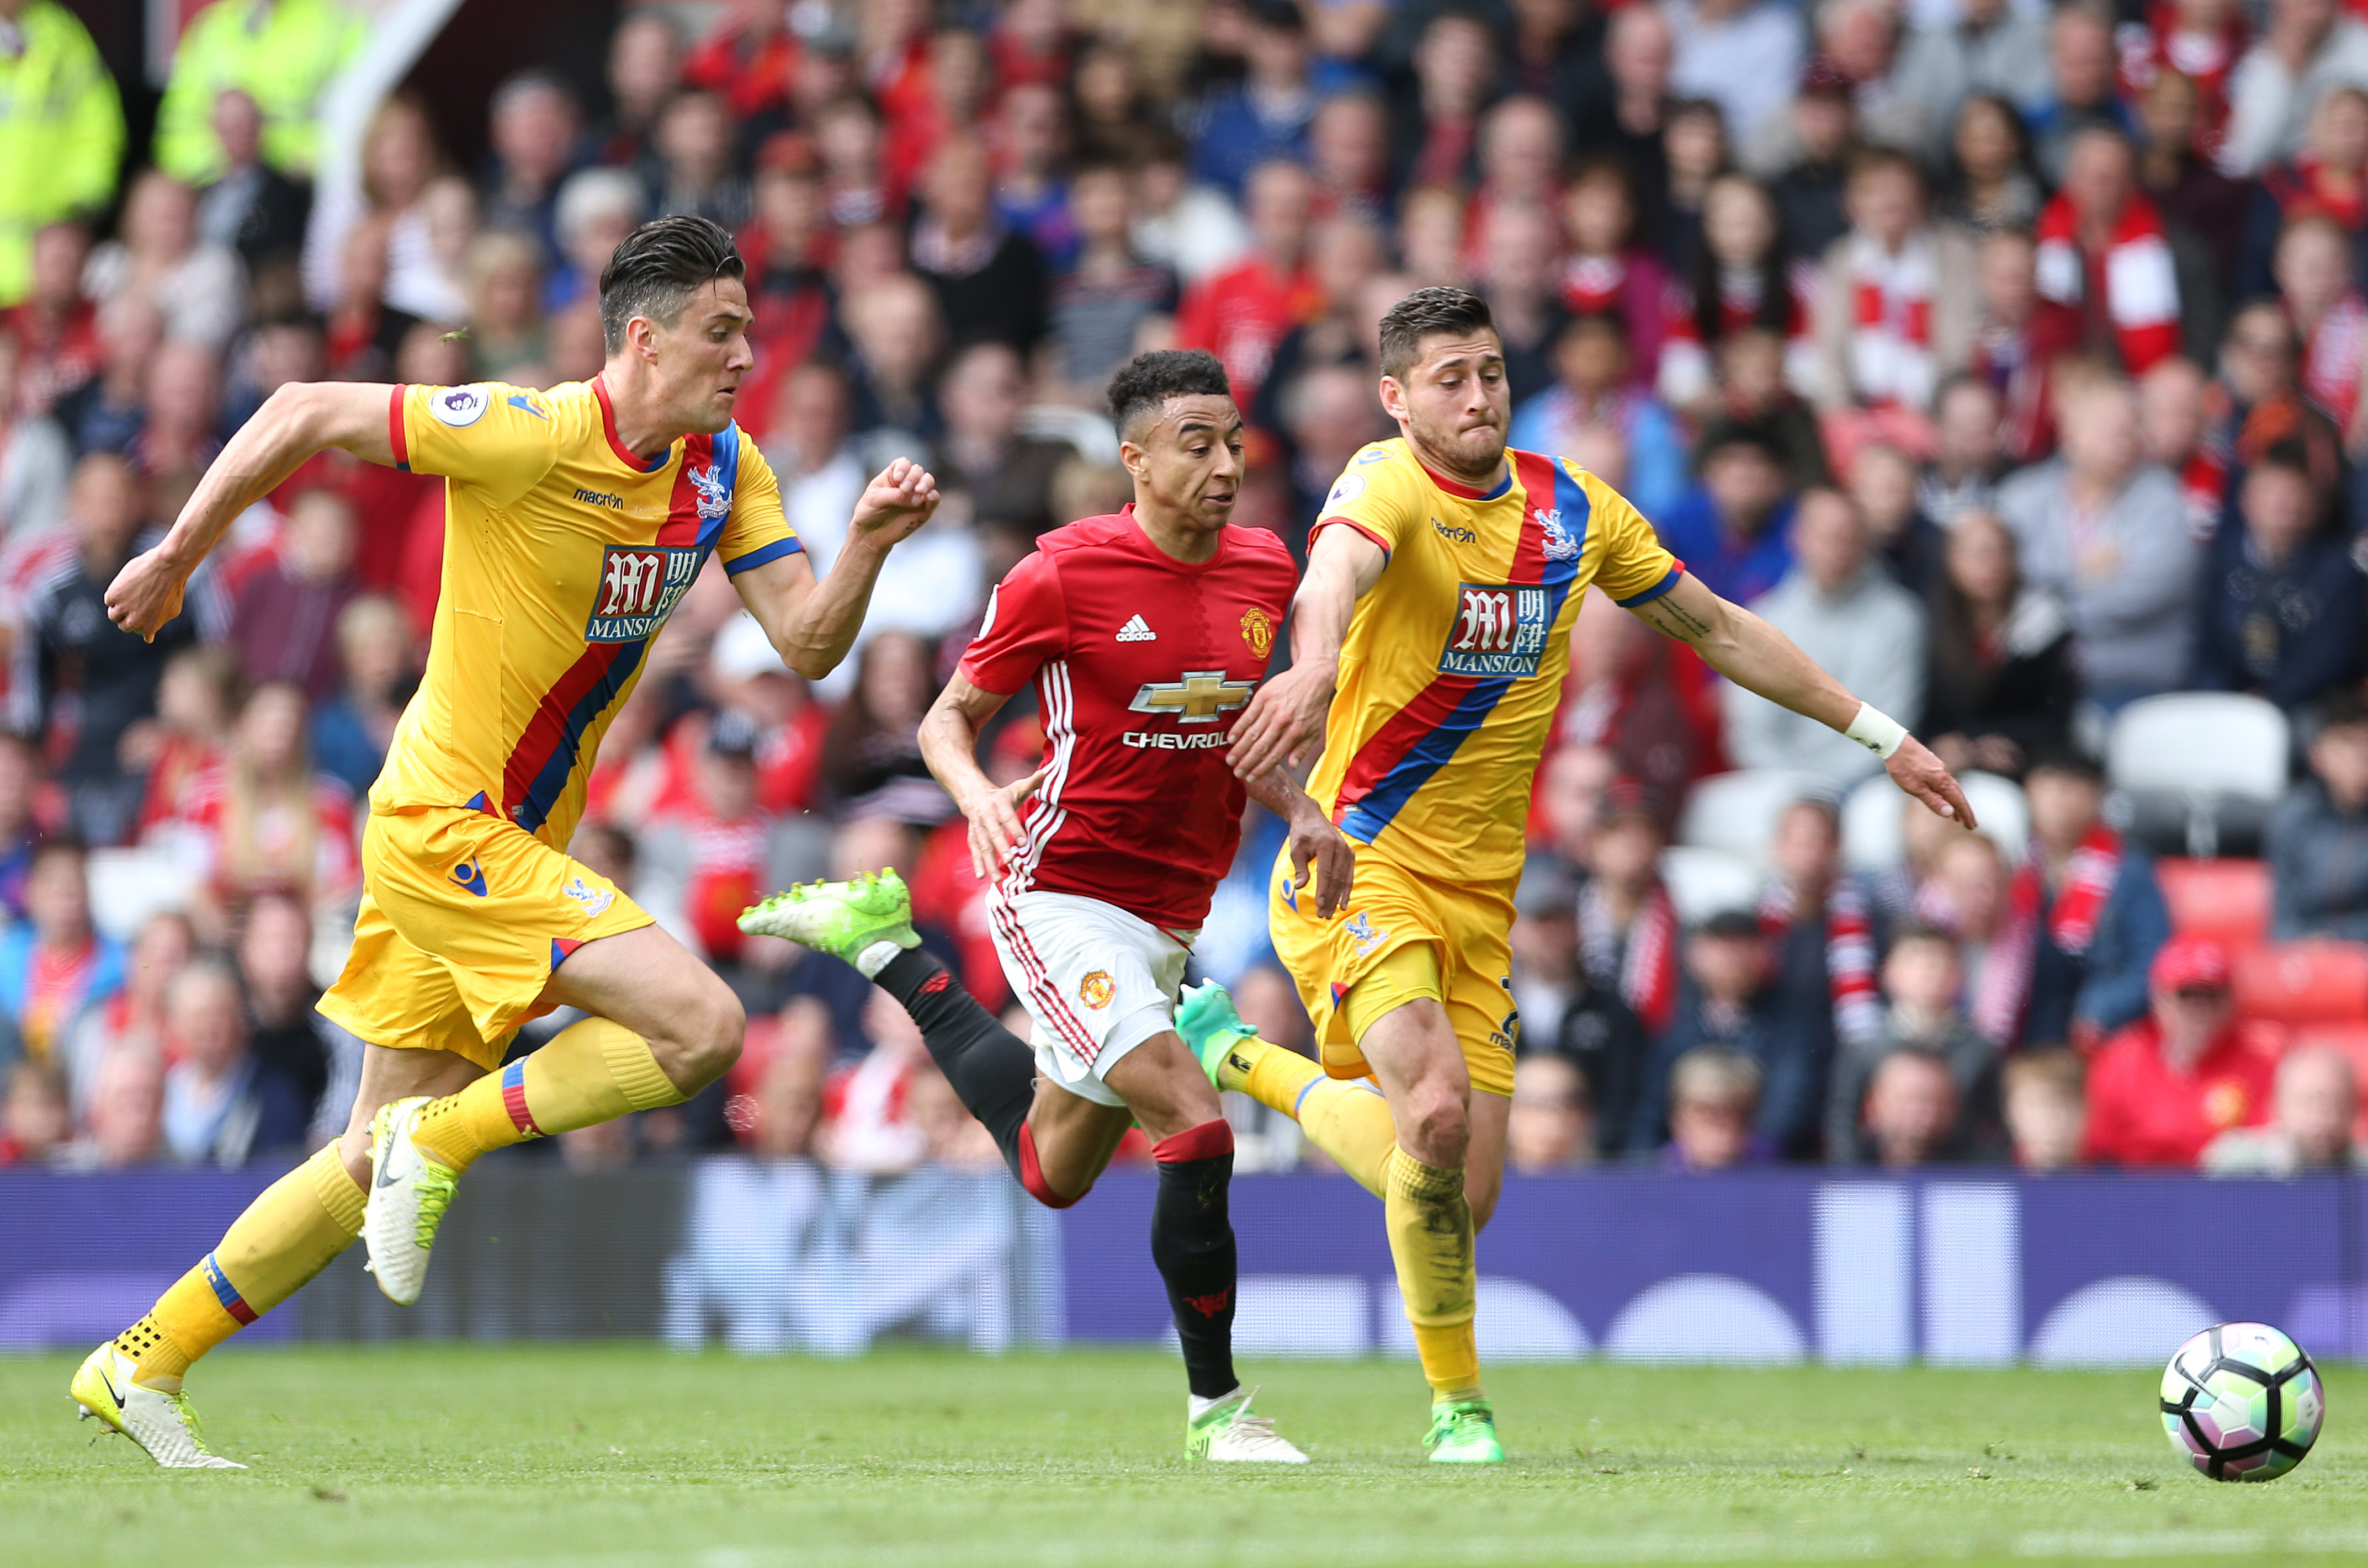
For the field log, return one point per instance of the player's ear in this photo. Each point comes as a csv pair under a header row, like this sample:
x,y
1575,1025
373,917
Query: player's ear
x,y
1393,398
1133,458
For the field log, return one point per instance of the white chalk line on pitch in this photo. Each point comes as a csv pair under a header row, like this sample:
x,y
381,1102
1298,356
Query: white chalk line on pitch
x,y
1734,1547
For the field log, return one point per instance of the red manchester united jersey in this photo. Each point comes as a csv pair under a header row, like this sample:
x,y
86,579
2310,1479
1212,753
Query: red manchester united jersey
x,y
1142,664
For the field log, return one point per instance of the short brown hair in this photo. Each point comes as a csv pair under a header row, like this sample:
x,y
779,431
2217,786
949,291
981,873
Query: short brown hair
x,y
2051,1069
1427,312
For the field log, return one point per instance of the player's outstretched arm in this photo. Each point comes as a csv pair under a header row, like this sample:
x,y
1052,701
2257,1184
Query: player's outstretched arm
x,y
1287,714
950,746
299,420
812,624
1315,842
1758,657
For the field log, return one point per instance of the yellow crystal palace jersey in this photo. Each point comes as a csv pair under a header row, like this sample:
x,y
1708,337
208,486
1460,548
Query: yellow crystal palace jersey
x,y
563,554
1454,661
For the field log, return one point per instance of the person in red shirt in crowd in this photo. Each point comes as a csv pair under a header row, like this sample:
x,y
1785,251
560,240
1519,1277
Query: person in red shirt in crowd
x,y
2176,411
2328,177
1520,166
748,57
945,89
1607,271
1030,44
2107,282
2315,279
2167,1085
57,328
726,834
2199,39
1242,313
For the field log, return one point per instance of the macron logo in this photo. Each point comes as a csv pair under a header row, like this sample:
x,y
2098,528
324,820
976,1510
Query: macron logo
x,y
1135,631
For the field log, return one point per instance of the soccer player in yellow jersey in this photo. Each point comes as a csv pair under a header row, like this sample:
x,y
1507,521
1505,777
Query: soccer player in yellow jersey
x,y
1429,640
575,521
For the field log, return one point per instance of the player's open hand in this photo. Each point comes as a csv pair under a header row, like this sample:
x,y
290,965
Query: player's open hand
x,y
145,595
1915,769
994,832
1284,718
1316,843
900,498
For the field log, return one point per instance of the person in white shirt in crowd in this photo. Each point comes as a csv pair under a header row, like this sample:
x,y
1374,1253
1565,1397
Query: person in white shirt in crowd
x,y
2107,531
1743,55
1849,616
1988,46
199,286
2312,1112
34,459
2309,47
1898,304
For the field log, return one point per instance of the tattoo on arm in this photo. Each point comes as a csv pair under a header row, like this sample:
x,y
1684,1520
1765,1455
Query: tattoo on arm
x,y
1673,620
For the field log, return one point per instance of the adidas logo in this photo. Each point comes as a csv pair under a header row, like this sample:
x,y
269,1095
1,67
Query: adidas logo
x,y
1135,631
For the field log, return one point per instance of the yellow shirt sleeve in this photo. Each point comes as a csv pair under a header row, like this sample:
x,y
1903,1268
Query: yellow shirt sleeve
x,y
1375,495
757,530
1631,566
497,440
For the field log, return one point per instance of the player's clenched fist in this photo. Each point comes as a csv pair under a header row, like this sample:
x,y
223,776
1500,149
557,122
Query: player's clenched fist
x,y
146,594
994,823
899,499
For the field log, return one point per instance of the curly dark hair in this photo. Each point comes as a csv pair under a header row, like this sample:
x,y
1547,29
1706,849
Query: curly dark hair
x,y
1145,383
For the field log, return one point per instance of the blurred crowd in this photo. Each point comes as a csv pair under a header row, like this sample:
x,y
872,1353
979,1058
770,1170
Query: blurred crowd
x,y
2010,358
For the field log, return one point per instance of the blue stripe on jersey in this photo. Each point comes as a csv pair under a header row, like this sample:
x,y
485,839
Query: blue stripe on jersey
x,y
1654,592
1381,803
762,553
551,780
723,473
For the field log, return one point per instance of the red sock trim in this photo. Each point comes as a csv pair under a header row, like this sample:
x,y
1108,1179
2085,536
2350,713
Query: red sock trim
x,y
1031,1175
1205,1141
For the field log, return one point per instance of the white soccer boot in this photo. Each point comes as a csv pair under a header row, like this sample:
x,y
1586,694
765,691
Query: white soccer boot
x,y
163,1424
1227,1431
409,1192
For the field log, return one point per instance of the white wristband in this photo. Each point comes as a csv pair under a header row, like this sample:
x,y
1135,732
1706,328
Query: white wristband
x,y
1876,731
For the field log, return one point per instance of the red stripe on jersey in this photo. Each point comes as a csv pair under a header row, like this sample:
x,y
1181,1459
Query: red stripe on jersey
x,y
1434,703
548,728
394,437
609,428
680,529
1405,728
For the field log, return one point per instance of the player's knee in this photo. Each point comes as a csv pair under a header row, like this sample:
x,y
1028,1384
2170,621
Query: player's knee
x,y
708,1038
1441,1126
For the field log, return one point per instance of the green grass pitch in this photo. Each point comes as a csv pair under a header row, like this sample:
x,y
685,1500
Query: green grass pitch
x,y
619,1457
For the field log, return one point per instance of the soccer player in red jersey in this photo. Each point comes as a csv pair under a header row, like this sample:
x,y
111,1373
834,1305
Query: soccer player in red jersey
x,y
1144,634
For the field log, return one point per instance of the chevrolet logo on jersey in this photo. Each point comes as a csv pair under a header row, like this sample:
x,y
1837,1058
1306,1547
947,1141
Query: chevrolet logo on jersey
x,y
1198,698
638,589
1498,631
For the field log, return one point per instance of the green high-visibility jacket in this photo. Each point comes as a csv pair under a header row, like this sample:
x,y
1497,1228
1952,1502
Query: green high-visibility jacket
x,y
281,53
60,134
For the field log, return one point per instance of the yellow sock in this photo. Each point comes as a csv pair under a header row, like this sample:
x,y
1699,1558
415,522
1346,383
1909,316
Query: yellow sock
x,y
291,1232
590,1071
1347,1120
1430,1239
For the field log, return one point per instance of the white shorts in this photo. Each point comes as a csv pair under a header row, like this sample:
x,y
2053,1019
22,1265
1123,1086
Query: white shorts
x,y
1098,980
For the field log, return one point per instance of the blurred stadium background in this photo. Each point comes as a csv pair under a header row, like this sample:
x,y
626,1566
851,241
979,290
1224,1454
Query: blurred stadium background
x,y
2010,357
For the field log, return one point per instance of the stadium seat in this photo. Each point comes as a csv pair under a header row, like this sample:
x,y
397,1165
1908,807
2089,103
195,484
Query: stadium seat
x,y
1738,811
2196,765
2296,984
1704,882
127,886
1872,837
2227,899
1092,434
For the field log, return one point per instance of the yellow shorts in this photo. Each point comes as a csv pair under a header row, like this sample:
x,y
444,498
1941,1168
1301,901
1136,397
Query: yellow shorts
x,y
1467,927
464,917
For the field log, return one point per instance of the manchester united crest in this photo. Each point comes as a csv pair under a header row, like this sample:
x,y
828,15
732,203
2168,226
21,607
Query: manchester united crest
x,y
1257,631
1096,990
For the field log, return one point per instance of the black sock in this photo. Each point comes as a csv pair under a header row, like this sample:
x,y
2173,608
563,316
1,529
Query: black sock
x,y
1192,1243
993,1071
